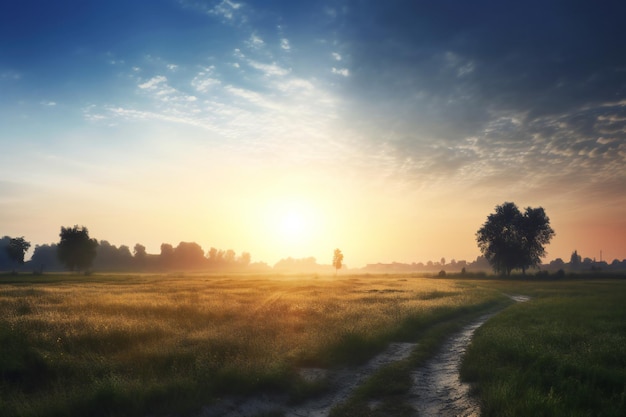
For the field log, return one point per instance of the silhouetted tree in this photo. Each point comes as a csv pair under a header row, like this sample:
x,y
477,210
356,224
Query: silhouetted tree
x,y
139,251
189,255
46,257
109,257
166,258
245,259
300,265
5,261
229,256
557,263
212,255
76,250
512,240
337,260
16,249
140,256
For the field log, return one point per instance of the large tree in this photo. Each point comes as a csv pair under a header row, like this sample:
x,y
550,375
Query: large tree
x,y
76,250
510,239
16,249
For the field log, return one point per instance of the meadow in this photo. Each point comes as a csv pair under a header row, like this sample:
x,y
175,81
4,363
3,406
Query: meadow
x,y
133,345
116,345
561,354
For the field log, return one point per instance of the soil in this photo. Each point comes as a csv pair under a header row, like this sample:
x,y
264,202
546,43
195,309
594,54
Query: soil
x,y
344,382
437,389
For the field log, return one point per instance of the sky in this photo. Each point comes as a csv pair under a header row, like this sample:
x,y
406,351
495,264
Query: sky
x,y
390,130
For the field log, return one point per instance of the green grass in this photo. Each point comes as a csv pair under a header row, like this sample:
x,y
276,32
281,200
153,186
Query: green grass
x,y
156,345
390,385
136,345
563,353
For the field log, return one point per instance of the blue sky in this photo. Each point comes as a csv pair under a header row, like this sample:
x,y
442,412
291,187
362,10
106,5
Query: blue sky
x,y
389,129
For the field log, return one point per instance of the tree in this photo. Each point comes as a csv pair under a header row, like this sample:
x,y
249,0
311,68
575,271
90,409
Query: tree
x,y
245,259
46,257
16,249
140,255
337,260
76,250
189,255
166,258
511,240
139,251
110,257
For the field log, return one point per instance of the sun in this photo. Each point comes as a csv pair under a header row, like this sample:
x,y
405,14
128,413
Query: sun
x,y
293,225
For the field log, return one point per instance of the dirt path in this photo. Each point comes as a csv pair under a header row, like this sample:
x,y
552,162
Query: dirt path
x,y
343,381
437,389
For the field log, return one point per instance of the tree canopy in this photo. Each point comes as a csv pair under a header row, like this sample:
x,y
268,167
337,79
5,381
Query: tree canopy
x,y
510,239
76,250
16,249
337,260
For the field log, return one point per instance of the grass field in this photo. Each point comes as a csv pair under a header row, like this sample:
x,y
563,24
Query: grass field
x,y
152,345
132,345
561,354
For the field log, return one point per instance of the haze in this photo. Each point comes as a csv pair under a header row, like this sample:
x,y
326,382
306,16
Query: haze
x,y
387,129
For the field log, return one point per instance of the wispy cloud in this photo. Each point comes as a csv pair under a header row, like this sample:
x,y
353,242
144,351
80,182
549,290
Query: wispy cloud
x,y
255,42
273,111
153,83
341,71
205,79
226,9
268,69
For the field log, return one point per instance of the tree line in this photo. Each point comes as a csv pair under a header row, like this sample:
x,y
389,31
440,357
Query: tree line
x,y
510,239
77,251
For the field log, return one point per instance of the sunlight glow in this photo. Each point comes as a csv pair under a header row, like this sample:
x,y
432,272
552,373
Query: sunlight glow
x,y
293,225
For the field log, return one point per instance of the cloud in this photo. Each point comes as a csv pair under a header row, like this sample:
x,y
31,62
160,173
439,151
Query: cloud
x,y
472,97
341,71
205,79
268,69
226,9
255,42
284,44
336,56
48,103
153,83
270,111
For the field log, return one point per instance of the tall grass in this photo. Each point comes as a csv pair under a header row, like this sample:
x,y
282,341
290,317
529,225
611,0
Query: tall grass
x,y
132,345
561,354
